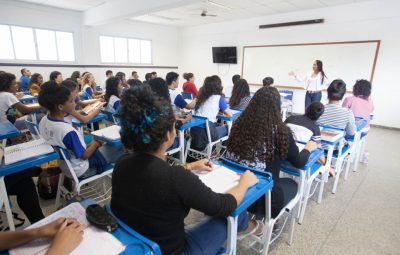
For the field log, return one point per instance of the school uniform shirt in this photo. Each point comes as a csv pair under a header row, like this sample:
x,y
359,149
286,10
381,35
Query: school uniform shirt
x,y
113,104
24,82
62,134
154,198
211,107
177,99
7,100
313,84
303,128
337,116
88,89
359,106
190,87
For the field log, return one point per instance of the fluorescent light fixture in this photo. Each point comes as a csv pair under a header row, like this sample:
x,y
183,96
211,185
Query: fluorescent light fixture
x,y
220,5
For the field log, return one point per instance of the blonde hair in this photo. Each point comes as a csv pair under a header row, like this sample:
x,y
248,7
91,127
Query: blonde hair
x,y
85,80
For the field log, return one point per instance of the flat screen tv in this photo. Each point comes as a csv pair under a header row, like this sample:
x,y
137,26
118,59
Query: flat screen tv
x,y
224,55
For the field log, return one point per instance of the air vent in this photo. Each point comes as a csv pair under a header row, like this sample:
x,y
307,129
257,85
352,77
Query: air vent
x,y
294,23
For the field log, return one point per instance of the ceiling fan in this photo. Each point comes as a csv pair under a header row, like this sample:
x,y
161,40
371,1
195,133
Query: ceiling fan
x,y
204,13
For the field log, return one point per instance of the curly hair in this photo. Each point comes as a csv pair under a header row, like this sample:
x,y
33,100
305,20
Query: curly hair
x,y
35,79
240,89
6,80
145,119
51,95
212,86
362,89
259,133
160,88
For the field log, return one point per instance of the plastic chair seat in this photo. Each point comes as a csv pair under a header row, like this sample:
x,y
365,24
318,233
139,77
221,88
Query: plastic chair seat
x,y
289,188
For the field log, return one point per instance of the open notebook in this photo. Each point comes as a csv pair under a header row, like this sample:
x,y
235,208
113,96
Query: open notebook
x,y
94,241
110,133
89,108
27,150
220,180
331,135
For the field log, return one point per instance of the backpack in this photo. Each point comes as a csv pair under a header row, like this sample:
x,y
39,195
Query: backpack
x,y
47,183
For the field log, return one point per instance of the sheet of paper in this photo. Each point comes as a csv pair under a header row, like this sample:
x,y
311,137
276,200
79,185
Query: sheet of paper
x,y
94,241
220,180
26,150
111,133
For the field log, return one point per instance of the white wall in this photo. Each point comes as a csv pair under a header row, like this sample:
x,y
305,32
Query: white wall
x,y
165,40
361,21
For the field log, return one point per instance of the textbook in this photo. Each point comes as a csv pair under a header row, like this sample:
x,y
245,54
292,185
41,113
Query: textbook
x,y
89,108
94,241
26,150
110,133
331,135
220,179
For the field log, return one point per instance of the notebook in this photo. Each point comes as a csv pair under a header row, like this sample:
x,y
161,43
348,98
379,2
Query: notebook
x,y
331,135
110,133
94,241
27,150
220,180
89,108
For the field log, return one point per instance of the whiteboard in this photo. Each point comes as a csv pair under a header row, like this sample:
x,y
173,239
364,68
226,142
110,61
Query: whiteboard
x,y
348,61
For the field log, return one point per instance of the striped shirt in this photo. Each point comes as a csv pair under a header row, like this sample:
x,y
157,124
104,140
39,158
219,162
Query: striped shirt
x,y
339,117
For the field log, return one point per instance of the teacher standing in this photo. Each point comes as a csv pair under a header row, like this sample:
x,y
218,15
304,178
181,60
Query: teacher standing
x,y
313,83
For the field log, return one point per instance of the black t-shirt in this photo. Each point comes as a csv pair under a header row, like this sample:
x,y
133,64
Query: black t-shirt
x,y
153,198
303,128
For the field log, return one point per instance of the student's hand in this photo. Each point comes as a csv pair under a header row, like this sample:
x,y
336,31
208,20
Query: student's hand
x,y
99,143
51,229
67,238
310,146
201,165
248,179
291,73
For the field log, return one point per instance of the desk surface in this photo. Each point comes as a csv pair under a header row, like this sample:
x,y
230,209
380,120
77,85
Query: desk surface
x,y
27,98
99,117
8,130
360,124
234,116
194,122
27,163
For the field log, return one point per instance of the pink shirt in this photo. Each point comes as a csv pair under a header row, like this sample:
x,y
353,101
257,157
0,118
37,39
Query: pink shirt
x,y
359,106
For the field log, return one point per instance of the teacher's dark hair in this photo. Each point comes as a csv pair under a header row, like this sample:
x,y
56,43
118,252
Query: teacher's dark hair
x,y
321,69
336,90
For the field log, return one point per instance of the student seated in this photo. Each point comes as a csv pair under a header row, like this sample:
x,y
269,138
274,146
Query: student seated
x,y
35,83
77,78
87,160
176,97
240,97
74,89
9,102
109,74
56,76
66,234
113,94
122,77
304,127
360,103
189,86
24,80
152,197
210,103
268,81
261,140
135,80
89,87
335,115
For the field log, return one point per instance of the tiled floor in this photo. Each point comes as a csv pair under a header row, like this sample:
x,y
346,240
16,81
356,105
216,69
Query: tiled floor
x,y
363,217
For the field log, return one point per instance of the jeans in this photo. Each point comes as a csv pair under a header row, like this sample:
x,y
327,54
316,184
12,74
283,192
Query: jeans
x,y
312,97
207,236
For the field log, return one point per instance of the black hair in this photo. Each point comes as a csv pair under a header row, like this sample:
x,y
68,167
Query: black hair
x,y
160,88
75,75
131,82
362,89
321,69
53,75
145,120
188,76
6,80
212,86
147,76
22,71
315,110
268,81
70,84
154,73
112,88
336,90
240,90
120,75
34,78
133,72
108,72
235,78
171,77
51,95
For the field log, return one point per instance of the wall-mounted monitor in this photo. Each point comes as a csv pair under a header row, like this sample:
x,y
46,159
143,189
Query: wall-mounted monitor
x,y
224,55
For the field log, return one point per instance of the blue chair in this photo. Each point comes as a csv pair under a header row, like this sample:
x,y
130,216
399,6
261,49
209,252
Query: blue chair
x,y
289,96
110,117
152,245
33,129
186,95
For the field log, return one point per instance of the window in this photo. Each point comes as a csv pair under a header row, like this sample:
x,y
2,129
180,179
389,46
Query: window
x,y
24,43
125,50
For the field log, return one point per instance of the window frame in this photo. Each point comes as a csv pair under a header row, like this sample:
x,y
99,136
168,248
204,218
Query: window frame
x,y
37,60
127,45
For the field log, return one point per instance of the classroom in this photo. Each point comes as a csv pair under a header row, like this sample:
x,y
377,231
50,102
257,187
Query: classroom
x,y
199,127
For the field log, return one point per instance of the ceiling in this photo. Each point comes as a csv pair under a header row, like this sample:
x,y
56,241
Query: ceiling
x,y
188,14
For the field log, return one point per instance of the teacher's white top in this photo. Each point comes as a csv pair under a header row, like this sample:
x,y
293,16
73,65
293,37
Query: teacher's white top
x,y
313,83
